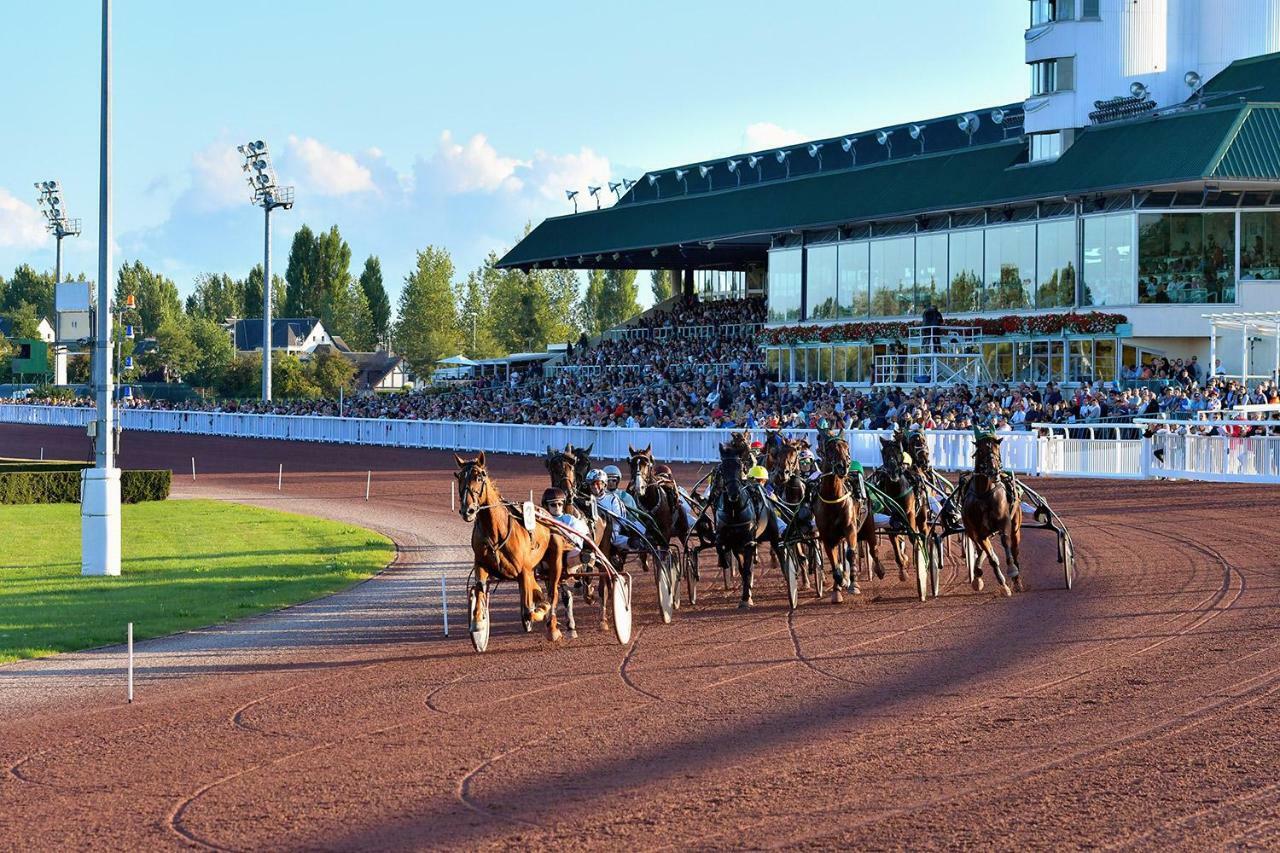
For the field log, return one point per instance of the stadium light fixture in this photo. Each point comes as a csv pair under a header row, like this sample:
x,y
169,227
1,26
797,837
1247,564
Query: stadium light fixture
x,y
815,152
916,131
653,182
627,184
755,161
1138,89
681,176
705,171
782,155
615,187
847,145
1192,79
885,138
264,192
572,195
595,193
732,166
52,204
969,124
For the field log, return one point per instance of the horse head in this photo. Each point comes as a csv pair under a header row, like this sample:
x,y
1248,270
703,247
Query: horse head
x,y
473,485
786,462
918,447
835,457
641,464
583,455
986,455
563,467
891,456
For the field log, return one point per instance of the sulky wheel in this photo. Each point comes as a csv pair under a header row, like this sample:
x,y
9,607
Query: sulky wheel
x,y
935,563
479,627
666,580
1068,559
790,571
814,559
620,590
691,576
922,568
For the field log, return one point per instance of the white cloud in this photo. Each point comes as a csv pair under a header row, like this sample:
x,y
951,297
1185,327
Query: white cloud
x,y
766,134
473,166
329,172
21,225
217,179
552,174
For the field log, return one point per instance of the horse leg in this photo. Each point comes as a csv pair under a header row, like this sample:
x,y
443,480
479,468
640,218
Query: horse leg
x,y
482,580
899,556
566,593
527,583
990,551
834,554
1012,545
745,559
555,576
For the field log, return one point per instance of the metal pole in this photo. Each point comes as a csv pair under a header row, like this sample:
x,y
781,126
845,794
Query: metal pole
x,y
266,302
1213,351
444,604
131,663
1244,354
368,480
280,479
104,456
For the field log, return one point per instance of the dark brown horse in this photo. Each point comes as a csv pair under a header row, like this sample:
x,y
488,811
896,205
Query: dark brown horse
x,y
504,549
563,466
838,515
990,504
894,479
657,499
743,519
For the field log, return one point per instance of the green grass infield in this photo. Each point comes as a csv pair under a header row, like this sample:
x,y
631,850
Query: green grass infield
x,y
185,564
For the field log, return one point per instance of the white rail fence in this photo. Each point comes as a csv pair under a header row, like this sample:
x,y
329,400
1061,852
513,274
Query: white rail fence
x,y
1217,458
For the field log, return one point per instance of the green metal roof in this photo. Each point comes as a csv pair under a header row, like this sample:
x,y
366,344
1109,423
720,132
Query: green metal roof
x,y
1232,141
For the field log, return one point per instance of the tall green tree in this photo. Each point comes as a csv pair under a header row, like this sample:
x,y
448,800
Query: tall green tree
x,y
376,295
31,289
218,296
299,274
252,290
351,319
332,275
331,373
619,304
156,296
176,351
428,326
590,310
215,353
661,285
474,317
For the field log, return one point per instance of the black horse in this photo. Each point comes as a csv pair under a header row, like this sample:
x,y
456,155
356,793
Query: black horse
x,y
743,518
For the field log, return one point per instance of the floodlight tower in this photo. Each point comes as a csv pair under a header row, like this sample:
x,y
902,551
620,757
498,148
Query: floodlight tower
x,y
100,485
59,225
264,192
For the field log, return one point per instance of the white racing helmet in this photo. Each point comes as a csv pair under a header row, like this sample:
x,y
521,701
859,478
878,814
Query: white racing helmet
x,y
611,471
595,475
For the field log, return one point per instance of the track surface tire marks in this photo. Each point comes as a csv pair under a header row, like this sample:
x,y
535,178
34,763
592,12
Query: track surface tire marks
x,y
1138,711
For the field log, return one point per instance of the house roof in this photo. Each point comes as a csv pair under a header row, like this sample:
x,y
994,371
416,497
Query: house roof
x,y
1221,135
372,367
286,332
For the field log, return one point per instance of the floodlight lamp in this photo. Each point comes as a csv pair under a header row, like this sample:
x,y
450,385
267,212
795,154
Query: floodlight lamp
x,y
570,194
260,165
847,144
915,130
616,256
627,184
998,116
882,136
1192,79
753,161
614,186
680,173
814,148
1137,89
782,154
593,190
653,253
653,179
704,170
264,180
54,201
259,145
732,165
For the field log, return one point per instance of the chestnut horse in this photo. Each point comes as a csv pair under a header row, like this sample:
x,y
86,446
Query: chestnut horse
x,y
990,504
837,512
563,466
895,480
505,550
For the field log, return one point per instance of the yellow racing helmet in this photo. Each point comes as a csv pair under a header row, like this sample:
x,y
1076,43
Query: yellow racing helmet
x,y
758,472
906,458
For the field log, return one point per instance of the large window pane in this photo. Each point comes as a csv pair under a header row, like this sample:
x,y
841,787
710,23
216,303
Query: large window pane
x,y
1056,264
1108,260
893,277
1011,266
821,274
784,285
1260,246
855,279
1186,257
965,254
931,271
1104,360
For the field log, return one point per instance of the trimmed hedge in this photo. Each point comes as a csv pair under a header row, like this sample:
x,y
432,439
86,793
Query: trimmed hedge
x,y
56,487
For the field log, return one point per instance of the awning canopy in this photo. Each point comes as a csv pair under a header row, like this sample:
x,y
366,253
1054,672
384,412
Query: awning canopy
x,y
457,361
1219,139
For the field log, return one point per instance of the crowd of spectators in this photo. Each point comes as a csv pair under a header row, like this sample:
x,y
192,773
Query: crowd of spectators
x,y
700,365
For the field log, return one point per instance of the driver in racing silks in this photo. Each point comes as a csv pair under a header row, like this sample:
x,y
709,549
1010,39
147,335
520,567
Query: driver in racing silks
x,y
554,502
625,530
663,476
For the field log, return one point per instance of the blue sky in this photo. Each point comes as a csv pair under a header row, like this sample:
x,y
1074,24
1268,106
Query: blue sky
x,y
409,125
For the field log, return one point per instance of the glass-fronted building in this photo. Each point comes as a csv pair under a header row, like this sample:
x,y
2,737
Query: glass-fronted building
x,y
1069,267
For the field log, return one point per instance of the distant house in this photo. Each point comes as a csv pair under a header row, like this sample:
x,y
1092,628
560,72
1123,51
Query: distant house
x,y
378,371
44,329
299,336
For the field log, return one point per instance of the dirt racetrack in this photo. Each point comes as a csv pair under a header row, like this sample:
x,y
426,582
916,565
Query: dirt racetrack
x,y
1140,710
